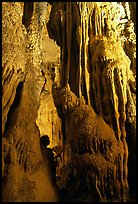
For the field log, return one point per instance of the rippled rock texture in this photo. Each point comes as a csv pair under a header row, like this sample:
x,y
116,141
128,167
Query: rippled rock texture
x,y
69,72
25,171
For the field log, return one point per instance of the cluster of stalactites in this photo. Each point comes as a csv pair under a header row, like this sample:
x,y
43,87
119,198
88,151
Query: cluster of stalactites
x,y
102,159
110,184
91,17
101,19
99,16
111,75
96,19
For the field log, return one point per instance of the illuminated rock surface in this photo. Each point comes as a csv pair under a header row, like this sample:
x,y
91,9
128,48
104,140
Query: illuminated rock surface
x,y
69,72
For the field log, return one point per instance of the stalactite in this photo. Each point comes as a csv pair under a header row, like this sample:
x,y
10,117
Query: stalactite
x,y
117,89
96,22
85,46
102,22
86,10
125,162
127,10
69,38
109,72
115,102
80,51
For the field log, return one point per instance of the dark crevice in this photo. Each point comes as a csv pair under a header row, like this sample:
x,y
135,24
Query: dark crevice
x,y
14,105
27,14
84,89
131,142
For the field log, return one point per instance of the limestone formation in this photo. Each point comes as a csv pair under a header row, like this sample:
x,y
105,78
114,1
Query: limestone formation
x,y
26,177
102,68
96,154
69,72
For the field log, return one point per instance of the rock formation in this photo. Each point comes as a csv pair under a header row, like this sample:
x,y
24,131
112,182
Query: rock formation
x,y
69,72
27,173
95,153
102,68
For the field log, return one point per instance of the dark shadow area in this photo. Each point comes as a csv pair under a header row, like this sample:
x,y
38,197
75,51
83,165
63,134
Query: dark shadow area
x,y
48,153
14,105
131,141
49,156
62,116
27,14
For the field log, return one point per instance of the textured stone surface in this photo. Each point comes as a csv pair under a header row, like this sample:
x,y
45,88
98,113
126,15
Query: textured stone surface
x,y
26,177
95,65
96,153
90,46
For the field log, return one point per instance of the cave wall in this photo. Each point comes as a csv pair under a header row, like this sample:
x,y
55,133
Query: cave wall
x,y
26,176
49,45
102,70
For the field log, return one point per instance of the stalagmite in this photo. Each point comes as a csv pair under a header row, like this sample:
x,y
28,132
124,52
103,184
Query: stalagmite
x,y
107,155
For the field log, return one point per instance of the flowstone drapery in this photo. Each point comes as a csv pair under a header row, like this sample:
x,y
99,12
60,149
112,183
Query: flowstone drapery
x,y
90,120
96,154
100,68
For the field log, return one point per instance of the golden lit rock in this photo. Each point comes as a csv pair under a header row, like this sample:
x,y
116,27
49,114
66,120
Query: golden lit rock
x,y
69,74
